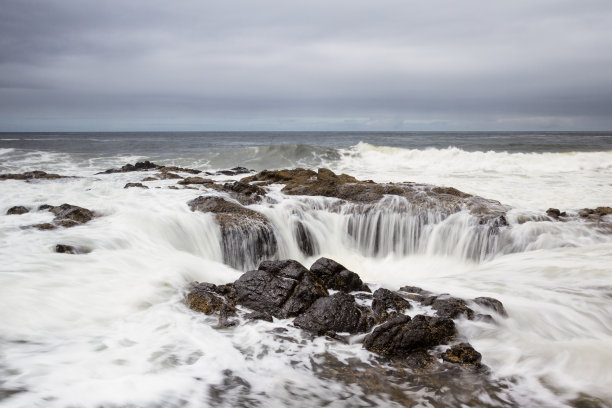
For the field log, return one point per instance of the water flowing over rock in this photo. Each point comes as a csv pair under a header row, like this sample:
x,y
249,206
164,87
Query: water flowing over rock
x,y
30,175
247,235
17,210
386,304
66,215
139,185
146,166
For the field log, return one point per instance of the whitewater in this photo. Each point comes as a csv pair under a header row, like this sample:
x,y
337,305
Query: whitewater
x,y
109,328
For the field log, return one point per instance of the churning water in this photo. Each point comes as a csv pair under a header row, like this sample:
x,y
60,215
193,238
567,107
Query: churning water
x,y
109,328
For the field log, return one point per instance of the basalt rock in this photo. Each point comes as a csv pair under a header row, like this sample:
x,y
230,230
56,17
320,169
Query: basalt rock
x,y
29,175
401,336
279,288
493,304
449,307
463,354
139,185
387,304
247,235
335,313
17,210
337,277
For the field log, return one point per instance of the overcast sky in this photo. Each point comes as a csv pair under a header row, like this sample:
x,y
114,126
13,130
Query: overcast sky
x,y
312,65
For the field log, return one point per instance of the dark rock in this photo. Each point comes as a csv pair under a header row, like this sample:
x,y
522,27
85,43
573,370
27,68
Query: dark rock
x,y
208,299
195,180
44,207
139,166
17,210
168,169
463,354
335,313
73,213
29,175
595,213
449,307
140,185
45,226
304,239
387,304
492,304
259,316
166,175
65,249
147,179
414,289
234,171
401,336
279,288
247,235
337,277
553,212
244,193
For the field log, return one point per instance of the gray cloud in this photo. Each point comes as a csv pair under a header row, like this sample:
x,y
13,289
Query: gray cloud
x,y
522,64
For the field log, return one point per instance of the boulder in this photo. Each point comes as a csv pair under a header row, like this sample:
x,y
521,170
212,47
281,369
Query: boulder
x,y
139,185
65,249
463,354
449,307
401,336
244,193
17,210
387,304
335,313
66,215
247,235
555,213
208,298
337,277
492,304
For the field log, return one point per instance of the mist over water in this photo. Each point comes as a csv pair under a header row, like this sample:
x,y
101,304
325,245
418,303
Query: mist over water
x,y
109,328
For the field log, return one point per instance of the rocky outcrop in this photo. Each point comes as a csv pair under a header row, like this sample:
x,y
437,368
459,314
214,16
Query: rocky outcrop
x,y
139,185
387,304
66,215
336,313
244,193
596,213
279,288
233,171
462,353
401,336
208,298
449,307
492,304
146,166
247,235
337,277
17,210
195,180
31,175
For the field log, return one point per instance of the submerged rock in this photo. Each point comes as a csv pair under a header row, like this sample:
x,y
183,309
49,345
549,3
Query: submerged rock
x,y
492,304
69,249
401,336
335,313
139,185
449,307
17,210
337,277
29,175
247,235
555,213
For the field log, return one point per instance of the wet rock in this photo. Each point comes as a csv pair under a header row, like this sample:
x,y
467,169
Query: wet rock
x,y
304,239
45,226
234,171
65,249
17,210
166,175
139,185
463,354
337,277
149,179
279,288
66,215
335,313
139,166
29,175
247,235
44,207
387,304
259,316
195,180
449,307
595,213
555,213
208,298
167,170
401,336
492,304
244,193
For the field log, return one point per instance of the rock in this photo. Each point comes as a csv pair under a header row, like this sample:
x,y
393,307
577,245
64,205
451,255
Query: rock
x,y
29,175
139,166
234,171
595,213
279,288
65,249
17,210
463,354
492,304
259,316
335,313
45,226
168,169
304,239
247,235
244,193
66,215
166,175
147,179
401,336
44,207
140,185
337,277
195,180
449,307
387,304
555,213
209,298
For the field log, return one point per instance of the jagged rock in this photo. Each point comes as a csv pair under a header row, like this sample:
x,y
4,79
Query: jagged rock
x,y
66,215
337,277
259,316
279,288
146,166
415,293
166,175
247,235
449,307
140,185
195,180
45,226
595,213
29,175
209,298
234,171
335,313
17,210
244,193
492,304
387,304
168,169
44,207
401,336
463,354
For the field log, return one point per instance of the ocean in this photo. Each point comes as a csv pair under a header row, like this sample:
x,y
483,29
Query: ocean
x,y
109,328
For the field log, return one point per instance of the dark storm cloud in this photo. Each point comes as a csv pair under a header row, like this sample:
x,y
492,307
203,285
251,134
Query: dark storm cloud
x,y
276,64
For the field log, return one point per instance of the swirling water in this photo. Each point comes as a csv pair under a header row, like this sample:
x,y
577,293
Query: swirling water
x,y
109,328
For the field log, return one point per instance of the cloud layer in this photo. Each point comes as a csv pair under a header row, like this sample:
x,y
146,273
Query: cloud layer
x,y
271,64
